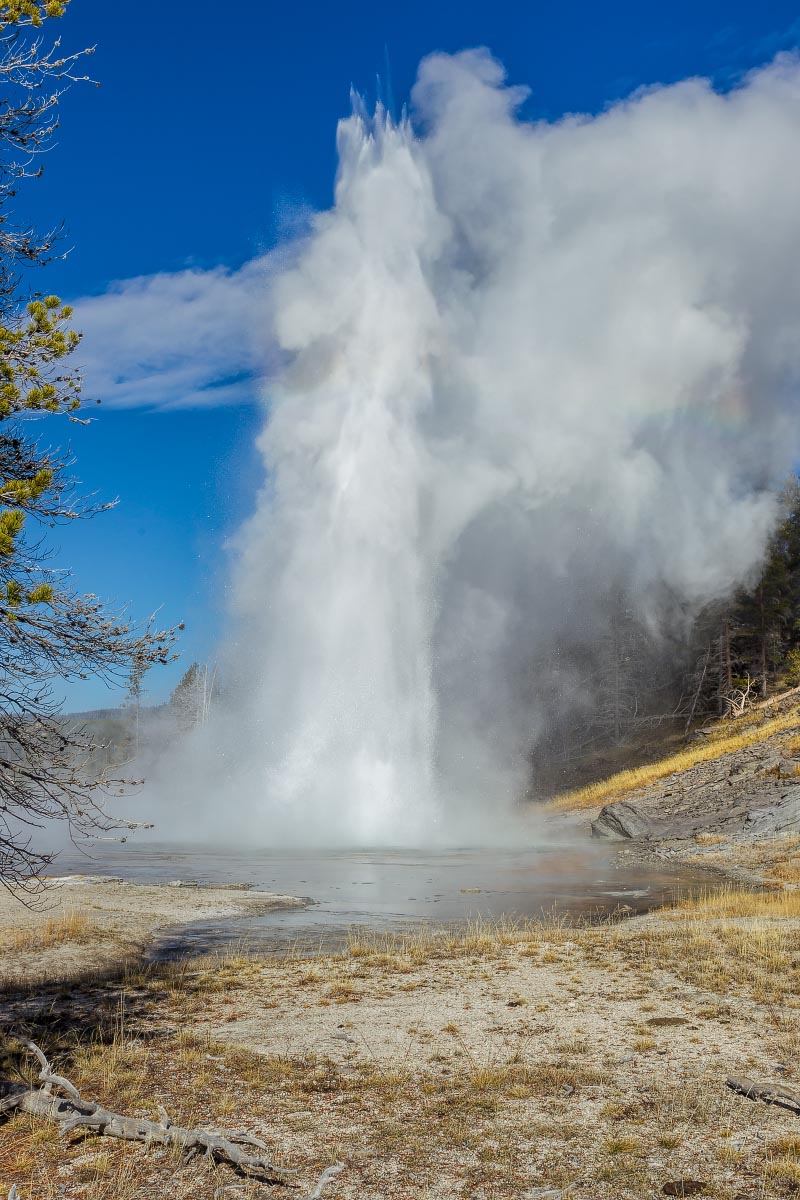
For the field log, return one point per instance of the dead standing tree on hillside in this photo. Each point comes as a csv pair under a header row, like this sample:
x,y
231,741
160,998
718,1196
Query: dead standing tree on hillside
x,y
48,631
190,703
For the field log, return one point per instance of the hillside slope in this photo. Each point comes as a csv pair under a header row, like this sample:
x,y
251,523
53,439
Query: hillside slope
x,y
731,799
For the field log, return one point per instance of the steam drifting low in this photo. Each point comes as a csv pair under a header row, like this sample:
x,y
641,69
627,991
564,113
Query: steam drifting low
x,y
520,361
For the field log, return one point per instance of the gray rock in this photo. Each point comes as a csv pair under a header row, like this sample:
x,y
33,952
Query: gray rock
x,y
622,820
782,816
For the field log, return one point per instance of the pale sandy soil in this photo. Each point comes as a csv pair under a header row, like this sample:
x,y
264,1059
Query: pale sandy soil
x,y
576,1062
116,920
454,1010
590,1063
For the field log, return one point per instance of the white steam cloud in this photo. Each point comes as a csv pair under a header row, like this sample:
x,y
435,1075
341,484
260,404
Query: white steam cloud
x,y
521,361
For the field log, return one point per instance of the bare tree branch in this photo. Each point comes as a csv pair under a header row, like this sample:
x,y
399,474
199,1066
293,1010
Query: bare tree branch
x,y
49,633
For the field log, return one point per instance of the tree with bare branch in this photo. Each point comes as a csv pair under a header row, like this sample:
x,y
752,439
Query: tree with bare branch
x,y
49,632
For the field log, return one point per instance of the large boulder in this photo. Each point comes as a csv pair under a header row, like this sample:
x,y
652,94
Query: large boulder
x,y
622,820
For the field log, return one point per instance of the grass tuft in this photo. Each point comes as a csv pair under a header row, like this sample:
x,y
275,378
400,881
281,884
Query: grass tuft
x,y
71,926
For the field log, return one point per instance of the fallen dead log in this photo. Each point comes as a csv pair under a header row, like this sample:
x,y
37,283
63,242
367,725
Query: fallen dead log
x,y
770,1093
59,1100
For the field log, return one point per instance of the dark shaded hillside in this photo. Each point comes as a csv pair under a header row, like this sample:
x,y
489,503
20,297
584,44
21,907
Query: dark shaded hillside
x,y
651,681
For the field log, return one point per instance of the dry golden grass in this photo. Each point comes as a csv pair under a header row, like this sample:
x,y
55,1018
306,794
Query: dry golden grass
x,y
479,940
735,902
497,1126
710,839
71,926
791,748
784,1172
500,1116
730,943
727,738
788,1145
386,1109
787,871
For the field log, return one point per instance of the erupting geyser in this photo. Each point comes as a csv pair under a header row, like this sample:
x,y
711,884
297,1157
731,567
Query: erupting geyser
x,y
342,544
519,362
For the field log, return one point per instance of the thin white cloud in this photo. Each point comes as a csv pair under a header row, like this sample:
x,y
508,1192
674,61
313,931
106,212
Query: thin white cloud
x,y
192,338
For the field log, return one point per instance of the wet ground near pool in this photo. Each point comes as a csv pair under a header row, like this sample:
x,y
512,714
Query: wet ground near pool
x,y
390,889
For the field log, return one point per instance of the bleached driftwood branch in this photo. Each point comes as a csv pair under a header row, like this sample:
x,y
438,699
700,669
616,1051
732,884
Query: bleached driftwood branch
x,y
770,1093
59,1100
327,1175
46,1074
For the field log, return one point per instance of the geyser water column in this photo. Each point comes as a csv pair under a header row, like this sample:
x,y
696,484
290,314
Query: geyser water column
x,y
343,676
520,366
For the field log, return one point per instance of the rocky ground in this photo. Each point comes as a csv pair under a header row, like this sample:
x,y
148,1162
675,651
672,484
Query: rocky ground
x,y
739,813
528,1061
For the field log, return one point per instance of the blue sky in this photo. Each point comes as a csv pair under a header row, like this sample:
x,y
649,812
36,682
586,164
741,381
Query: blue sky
x,y
203,145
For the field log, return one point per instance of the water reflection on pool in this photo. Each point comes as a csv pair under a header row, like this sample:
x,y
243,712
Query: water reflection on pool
x,y
386,889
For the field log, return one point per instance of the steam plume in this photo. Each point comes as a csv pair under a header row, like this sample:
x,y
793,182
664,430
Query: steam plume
x,y
520,361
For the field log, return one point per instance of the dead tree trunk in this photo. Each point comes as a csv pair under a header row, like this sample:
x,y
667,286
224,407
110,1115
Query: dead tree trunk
x,y
763,640
725,674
